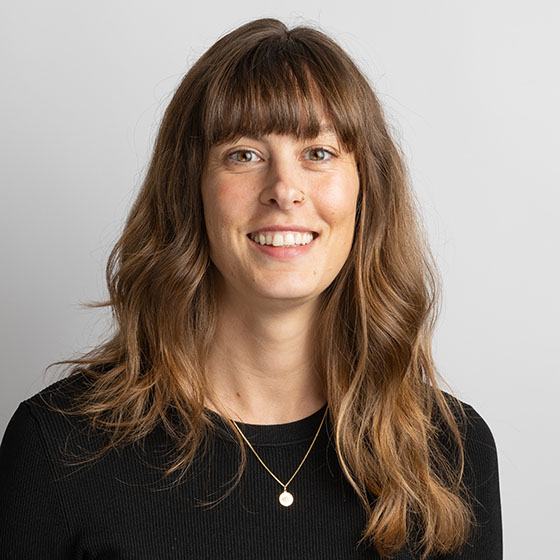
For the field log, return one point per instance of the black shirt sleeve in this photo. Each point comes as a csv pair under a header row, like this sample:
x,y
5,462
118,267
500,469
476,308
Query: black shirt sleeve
x,y
482,479
32,521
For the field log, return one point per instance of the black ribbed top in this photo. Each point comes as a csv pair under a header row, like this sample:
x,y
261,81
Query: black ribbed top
x,y
119,508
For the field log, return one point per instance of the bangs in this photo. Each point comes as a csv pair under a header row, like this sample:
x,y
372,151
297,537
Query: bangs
x,y
280,87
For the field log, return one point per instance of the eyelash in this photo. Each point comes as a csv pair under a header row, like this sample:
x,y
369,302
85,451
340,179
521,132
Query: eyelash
x,y
330,154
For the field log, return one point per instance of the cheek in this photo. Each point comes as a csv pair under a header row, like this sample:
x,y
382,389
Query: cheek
x,y
338,200
223,205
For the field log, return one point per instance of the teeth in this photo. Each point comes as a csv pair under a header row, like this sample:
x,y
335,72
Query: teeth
x,y
285,239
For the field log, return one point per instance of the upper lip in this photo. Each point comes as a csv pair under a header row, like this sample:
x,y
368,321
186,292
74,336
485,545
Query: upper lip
x,y
285,227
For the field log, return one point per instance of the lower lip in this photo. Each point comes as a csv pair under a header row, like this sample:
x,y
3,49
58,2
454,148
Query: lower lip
x,y
282,253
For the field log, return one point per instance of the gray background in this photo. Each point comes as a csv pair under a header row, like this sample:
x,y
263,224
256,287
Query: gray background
x,y
472,90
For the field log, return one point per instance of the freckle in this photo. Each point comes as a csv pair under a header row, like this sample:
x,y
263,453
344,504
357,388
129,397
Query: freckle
x,y
314,273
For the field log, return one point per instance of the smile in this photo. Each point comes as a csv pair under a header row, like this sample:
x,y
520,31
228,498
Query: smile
x,y
282,239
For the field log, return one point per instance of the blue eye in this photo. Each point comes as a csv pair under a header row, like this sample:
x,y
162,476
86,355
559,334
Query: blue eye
x,y
243,156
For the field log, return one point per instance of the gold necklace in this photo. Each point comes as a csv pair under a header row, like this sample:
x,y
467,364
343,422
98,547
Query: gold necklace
x,y
285,498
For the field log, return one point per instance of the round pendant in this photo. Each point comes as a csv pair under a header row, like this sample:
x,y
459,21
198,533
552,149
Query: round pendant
x,y
286,499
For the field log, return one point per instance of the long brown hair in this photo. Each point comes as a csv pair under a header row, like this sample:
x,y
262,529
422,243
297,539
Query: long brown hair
x,y
376,320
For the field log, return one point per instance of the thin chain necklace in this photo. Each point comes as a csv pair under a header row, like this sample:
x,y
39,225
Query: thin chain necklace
x,y
285,498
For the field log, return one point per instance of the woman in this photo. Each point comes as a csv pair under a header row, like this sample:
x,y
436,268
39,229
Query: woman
x,y
269,390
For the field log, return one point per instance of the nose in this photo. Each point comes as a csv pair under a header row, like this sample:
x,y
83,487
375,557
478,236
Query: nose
x,y
283,186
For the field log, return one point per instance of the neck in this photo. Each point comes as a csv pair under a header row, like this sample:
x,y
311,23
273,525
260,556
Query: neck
x,y
261,366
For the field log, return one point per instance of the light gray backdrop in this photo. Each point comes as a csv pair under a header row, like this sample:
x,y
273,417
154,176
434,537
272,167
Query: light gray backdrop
x,y
472,89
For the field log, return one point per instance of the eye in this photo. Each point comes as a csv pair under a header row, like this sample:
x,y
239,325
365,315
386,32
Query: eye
x,y
319,154
243,156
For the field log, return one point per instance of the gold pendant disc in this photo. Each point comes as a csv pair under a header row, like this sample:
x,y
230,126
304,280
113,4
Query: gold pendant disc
x,y
286,499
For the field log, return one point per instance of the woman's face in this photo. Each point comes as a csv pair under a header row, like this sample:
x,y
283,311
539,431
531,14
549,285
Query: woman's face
x,y
279,213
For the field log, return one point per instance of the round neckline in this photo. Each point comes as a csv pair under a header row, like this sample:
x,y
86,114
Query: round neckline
x,y
274,434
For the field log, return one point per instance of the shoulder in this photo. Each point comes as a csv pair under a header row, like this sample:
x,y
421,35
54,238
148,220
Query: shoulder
x,y
61,394
33,503
479,459
481,471
481,479
481,453
45,417
35,428
477,435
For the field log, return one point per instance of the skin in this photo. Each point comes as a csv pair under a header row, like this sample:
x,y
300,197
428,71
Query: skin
x,y
260,365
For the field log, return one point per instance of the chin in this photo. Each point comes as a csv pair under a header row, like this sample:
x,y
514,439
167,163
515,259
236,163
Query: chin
x,y
286,294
